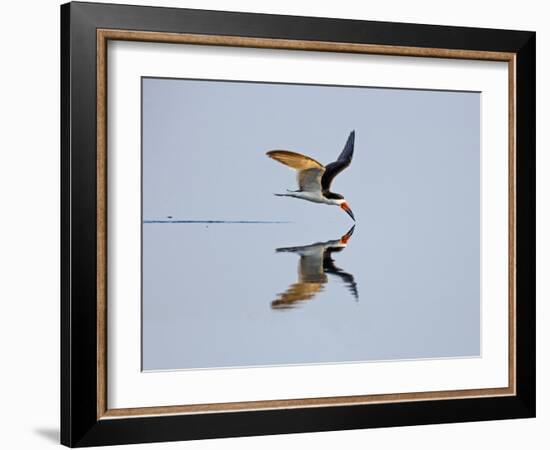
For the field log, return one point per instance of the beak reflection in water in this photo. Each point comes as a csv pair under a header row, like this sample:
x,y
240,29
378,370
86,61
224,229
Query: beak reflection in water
x,y
314,265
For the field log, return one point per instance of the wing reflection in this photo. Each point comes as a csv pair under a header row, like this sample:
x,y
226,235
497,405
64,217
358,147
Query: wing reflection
x,y
315,262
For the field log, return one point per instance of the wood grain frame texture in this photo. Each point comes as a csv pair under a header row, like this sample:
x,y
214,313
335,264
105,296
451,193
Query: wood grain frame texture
x,y
103,36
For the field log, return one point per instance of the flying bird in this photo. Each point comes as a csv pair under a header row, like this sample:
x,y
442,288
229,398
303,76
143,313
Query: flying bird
x,y
314,179
315,262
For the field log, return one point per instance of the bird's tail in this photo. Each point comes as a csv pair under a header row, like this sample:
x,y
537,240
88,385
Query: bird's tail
x,y
289,194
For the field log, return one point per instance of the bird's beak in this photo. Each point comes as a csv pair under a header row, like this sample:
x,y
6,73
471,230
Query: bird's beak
x,y
346,237
346,208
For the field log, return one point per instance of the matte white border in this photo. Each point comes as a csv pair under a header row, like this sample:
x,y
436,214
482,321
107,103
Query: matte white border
x,y
128,387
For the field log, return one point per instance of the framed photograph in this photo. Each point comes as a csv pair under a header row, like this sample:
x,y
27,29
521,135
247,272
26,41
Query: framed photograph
x,y
277,224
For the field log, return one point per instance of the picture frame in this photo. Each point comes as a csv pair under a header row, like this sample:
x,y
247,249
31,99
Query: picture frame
x,y
86,418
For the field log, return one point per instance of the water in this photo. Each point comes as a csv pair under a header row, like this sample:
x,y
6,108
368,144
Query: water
x,y
250,293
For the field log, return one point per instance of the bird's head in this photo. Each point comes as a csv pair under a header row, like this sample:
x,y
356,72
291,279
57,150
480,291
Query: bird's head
x,y
344,205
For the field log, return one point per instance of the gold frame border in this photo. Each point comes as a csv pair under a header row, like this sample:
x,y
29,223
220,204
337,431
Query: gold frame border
x,y
104,35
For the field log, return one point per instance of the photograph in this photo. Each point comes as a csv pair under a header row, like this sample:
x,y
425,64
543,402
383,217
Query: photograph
x,y
277,223
292,224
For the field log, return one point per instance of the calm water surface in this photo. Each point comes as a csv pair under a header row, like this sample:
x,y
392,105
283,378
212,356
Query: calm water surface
x,y
218,294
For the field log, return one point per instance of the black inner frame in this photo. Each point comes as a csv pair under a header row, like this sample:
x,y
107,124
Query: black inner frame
x,y
79,423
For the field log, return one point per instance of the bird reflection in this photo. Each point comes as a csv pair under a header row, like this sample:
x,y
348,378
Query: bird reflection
x,y
315,262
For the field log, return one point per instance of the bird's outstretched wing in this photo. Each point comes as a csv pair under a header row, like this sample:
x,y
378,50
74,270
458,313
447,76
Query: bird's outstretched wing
x,y
333,269
309,170
295,160
296,292
343,161
315,263
311,277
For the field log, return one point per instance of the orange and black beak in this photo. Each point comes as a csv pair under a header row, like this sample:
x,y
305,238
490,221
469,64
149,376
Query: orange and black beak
x,y
346,208
346,237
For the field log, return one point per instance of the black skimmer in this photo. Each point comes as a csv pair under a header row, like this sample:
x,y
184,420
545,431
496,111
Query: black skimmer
x,y
314,179
315,262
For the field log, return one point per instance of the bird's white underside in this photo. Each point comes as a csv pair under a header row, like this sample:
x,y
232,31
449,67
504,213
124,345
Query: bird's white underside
x,y
314,196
